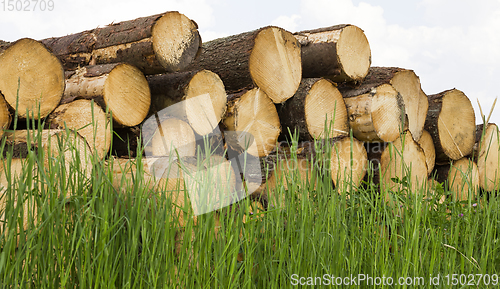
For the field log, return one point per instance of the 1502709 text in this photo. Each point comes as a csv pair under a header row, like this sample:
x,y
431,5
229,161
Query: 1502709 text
x,y
27,5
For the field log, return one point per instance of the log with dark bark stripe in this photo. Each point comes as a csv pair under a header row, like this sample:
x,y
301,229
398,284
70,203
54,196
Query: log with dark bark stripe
x,y
340,53
317,110
199,98
119,88
451,123
31,78
268,57
155,44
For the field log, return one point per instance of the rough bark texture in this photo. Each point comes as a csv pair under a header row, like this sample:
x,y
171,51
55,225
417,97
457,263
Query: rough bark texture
x,y
197,97
315,105
239,62
451,123
5,115
329,52
119,88
129,41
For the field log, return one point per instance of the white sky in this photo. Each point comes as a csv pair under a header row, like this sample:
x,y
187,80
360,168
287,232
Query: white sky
x,y
448,43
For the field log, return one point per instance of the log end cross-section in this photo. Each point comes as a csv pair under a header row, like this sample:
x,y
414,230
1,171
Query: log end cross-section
x,y
176,41
127,94
32,75
275,63
451,123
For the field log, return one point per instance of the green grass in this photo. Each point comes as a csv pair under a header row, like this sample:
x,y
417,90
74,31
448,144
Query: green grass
x,y
102,238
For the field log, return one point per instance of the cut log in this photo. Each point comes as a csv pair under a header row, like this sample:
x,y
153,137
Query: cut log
x,y
252,123
11,173
173,138
30,73
268,57
288,172
403,158
119,87
66,153
200,96
88,119
155,44
451,123
157,175
463,179
427,145
340,53
23,141
376,113
407,84
349,162
488,157
211,183
5,116
317,107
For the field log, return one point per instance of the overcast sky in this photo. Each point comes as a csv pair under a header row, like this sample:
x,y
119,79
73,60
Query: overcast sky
x,y
448,43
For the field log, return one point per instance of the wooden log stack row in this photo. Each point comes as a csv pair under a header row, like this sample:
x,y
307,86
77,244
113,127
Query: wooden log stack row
x,y
153,78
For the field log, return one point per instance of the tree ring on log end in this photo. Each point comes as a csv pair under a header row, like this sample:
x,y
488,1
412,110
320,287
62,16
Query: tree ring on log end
x,y
176,41
325,103
127,94
456,125
354,53
27,65
275,63
205,113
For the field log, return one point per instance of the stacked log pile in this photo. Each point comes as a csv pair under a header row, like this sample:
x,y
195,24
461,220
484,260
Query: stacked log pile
x,y
150,86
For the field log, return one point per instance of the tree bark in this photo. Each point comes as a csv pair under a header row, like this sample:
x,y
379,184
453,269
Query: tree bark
x,y
120,88
451,123
375,111
31,78
268,57
317,107
88,119
340,53
155,44
197,97
5,115
488,157
251,123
